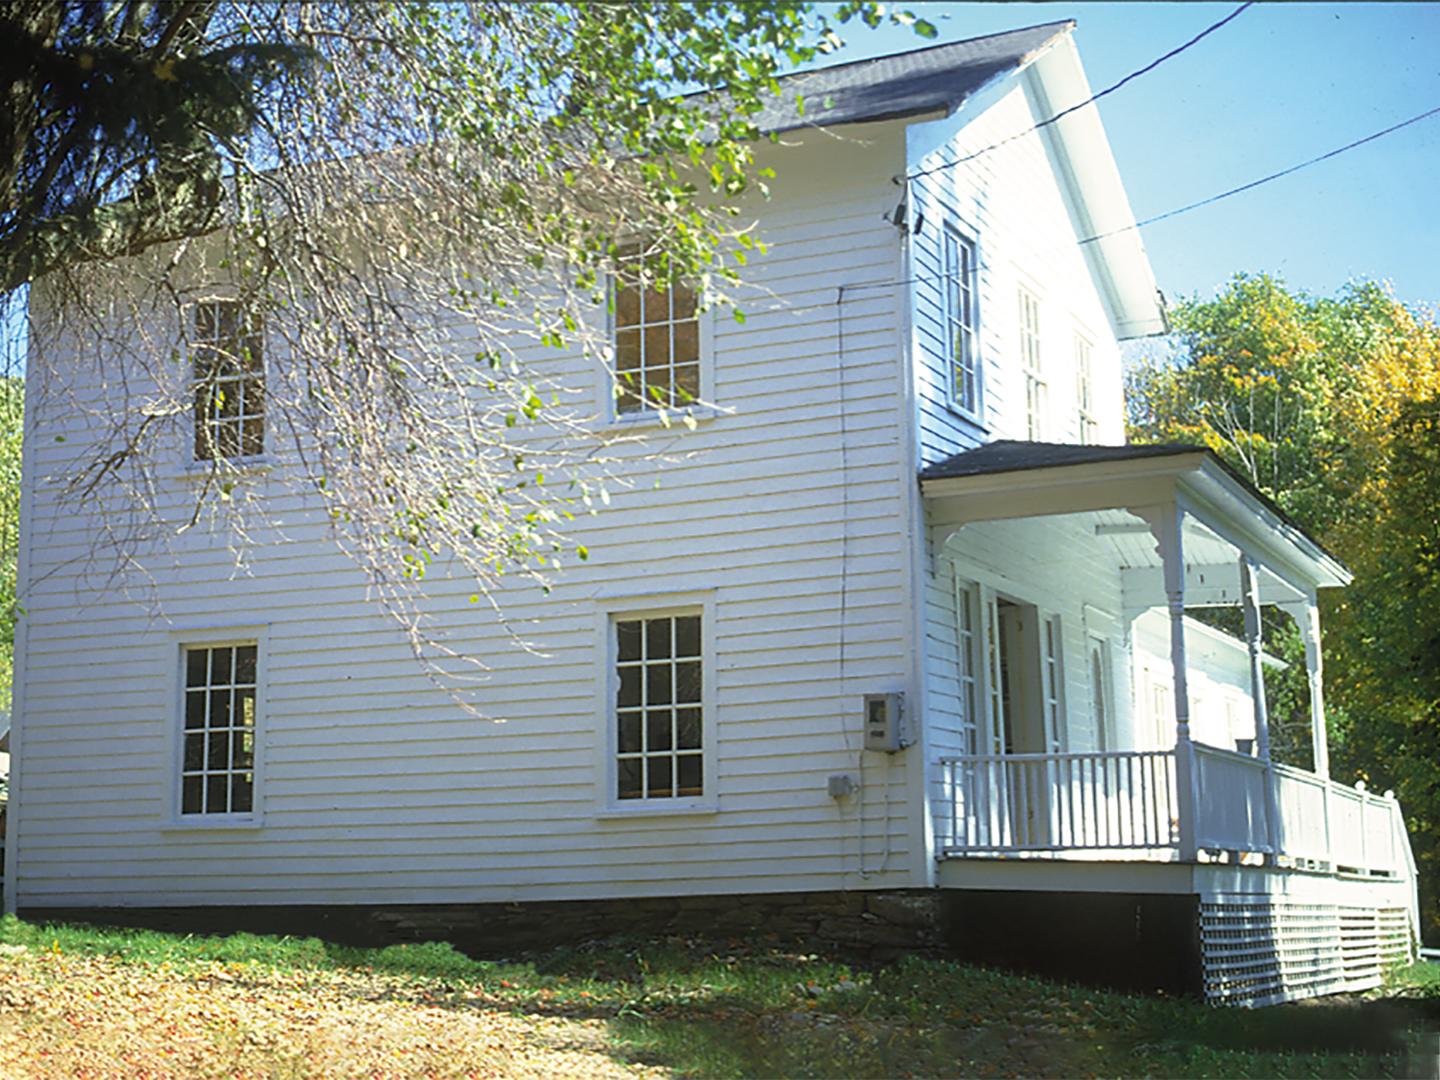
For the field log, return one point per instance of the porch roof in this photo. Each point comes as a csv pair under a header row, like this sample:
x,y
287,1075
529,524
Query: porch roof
x,y
1014,455
1009,479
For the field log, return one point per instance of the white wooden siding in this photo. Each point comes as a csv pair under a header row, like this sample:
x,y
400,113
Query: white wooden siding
x,y
1222,708
377,789
1013,204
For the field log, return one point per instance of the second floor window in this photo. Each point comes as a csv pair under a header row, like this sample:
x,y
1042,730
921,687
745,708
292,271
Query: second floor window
x,y
1085,392
657,339
229,373
960,322
1032,362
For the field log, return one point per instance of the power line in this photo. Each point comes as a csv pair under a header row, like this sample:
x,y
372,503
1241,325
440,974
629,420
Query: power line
x,y
894,282
1088,101
1266,179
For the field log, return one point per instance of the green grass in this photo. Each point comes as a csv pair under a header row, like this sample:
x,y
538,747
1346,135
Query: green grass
x,y
722,1010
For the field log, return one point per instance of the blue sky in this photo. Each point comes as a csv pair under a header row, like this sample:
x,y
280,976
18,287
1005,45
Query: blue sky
x,y
1282,83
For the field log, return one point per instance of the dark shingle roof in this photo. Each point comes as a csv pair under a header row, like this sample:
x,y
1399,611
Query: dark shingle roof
x,y
1008,455
905,84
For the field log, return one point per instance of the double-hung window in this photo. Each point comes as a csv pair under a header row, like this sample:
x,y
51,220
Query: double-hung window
x,y
229,381
961,352
657,337
658,715
1032,362
1052,682
218,718
967,615
1100,691
1085,391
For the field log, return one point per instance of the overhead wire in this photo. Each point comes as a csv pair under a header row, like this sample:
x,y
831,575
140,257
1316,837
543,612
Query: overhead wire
x,y
1264,179
853,287
1082,104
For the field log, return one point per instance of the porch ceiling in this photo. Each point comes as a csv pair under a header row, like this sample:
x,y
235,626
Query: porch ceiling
x,y
1121,488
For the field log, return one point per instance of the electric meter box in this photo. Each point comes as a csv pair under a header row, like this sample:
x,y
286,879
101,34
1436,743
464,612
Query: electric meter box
x,y
883,714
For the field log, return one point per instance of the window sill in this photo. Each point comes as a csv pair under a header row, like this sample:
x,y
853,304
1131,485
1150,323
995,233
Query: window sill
x,y
970,418
650,418
218,824
259,465
688,809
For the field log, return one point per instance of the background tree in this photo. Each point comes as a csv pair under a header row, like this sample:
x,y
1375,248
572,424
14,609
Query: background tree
x,y
417,202
1328,406
12,398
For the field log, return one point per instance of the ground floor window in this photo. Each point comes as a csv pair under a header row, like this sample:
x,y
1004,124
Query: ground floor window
x,y
217,774
1100,695
658,709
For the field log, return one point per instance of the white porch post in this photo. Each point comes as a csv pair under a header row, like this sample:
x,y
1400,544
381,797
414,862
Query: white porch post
x,y
1250,601
1166,525
1250,604
1306,614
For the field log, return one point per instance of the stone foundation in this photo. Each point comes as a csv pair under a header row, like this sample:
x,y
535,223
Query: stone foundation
x,y
1130,941
868,925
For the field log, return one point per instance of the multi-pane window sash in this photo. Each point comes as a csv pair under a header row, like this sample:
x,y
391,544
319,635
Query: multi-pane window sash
x,y
218,757
657,338
229,372
959,298
1100,692
966,607
1036,392
1085,391
658,710
1054,720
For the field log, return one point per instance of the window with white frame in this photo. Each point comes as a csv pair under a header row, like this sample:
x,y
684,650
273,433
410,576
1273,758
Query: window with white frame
x,y
1100,691
229,377
659,711
1085,391
1032,363
961,352
967,601
997,727
217,773
657,336
1162,712
1052,684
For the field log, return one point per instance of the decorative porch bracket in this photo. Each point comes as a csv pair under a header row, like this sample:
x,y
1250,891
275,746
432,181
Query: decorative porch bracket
x,y
1166,523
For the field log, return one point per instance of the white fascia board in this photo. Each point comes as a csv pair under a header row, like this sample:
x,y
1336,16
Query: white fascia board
x,y
1099,205
1217,494
1201,485
1121,475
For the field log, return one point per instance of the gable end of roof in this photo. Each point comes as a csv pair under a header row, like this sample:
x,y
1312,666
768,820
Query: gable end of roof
x,y
933,79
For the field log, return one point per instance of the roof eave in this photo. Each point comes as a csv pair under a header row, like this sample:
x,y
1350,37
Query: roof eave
x,y
1097,194
1197,476
1216,483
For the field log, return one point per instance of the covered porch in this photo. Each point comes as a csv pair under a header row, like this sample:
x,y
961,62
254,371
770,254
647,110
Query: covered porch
x,y
1077,707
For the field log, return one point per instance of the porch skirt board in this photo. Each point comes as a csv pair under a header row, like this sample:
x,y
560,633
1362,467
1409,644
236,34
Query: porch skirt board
x,y
1260,950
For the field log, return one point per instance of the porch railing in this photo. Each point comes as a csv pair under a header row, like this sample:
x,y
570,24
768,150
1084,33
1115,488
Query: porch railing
x,y
1059,802
1127,801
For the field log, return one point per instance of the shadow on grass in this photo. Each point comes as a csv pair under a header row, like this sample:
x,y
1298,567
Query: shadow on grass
x,y
725,1008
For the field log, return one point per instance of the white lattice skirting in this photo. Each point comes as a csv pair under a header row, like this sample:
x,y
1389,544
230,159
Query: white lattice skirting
x,y
1257,951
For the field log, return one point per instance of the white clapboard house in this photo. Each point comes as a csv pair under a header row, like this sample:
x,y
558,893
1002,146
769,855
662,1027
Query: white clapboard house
x,y
897,651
